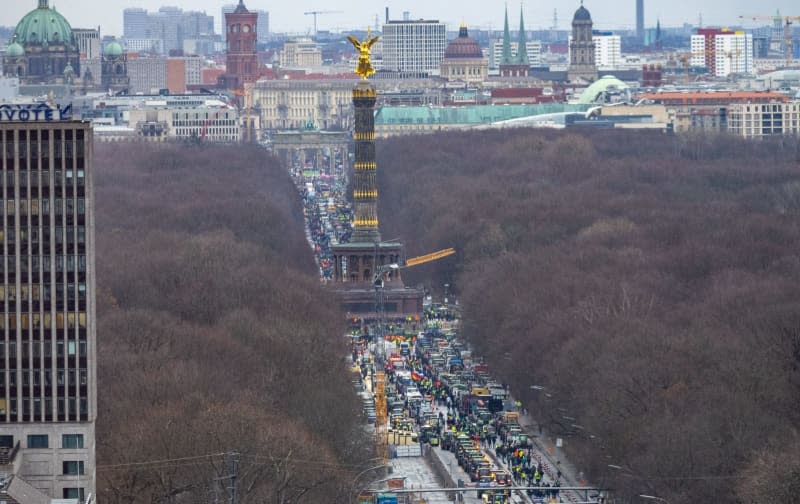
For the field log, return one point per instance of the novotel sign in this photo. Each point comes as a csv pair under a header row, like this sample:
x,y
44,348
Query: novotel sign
x,y
34,112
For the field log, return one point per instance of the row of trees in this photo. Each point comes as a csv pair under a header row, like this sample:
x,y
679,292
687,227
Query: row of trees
x,y
214,335
649,283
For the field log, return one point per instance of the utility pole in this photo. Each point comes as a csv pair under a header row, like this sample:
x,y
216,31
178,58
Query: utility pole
x,y
234,477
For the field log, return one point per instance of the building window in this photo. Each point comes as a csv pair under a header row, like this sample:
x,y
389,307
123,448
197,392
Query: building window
x,y
74,493
72,441
73,467
37,441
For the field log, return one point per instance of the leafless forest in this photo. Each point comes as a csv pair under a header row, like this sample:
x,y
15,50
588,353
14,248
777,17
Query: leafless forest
x,y
648,286
214,335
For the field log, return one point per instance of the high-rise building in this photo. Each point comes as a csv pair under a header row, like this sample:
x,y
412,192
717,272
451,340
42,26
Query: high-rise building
x,y
581,47
263,26
533,48
722,51
147,75
135,23
170,27
607,49
88,40
48,385
414,47
640,20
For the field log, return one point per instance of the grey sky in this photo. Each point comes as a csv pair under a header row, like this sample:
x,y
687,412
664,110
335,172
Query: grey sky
x,y
288,15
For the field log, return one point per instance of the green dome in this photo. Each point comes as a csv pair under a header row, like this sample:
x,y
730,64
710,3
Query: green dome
x,y
43,26
605,83
15,50
113,49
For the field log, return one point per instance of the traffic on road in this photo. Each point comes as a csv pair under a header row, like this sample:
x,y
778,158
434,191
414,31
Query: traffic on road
x,y
444,397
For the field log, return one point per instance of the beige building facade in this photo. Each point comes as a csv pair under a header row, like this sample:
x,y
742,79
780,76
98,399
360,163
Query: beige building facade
x,y
764,119
296,104
300,53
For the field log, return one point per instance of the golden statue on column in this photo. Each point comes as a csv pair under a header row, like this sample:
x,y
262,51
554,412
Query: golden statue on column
x,y
364,68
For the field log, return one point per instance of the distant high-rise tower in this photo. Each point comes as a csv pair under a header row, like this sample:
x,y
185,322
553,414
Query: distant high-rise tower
x,y
263,26
640,20
581,47
414,48
242,59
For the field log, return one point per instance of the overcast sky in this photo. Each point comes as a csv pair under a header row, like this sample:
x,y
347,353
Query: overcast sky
x,y
287,16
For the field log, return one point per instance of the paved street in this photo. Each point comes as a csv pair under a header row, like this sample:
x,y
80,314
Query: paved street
x,y
328,214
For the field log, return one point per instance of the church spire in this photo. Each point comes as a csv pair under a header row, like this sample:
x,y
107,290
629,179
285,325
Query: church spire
x,y
522,45
506,60
43,4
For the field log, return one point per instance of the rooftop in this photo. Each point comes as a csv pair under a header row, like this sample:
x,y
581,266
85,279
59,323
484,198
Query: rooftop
x,y
469,115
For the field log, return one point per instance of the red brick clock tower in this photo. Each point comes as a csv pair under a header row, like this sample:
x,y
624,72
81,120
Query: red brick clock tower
x,y
242,60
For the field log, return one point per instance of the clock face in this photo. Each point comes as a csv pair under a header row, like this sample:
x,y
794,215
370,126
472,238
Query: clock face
x,y
246,28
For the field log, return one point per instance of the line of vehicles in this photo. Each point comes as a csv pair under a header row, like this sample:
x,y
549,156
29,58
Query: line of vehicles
x,y
327,212
439,394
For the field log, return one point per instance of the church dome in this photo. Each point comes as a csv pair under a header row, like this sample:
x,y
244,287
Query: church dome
x,y
463,46
43,26
113,50
582,14
15,50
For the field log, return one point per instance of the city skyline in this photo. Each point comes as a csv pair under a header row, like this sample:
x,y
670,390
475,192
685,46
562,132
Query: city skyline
x,y
358,14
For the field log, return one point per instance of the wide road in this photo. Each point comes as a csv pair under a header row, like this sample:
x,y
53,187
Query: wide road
x,y
328,221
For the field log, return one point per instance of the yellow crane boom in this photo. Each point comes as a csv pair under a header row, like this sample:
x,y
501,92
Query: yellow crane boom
x,y
415,261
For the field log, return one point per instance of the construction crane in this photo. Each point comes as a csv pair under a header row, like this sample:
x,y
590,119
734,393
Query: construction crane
x,y
381,419
316,13
787,31
685,59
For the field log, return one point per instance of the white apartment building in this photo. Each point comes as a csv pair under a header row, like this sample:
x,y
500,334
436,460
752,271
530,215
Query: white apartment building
x,y
534,48
607,50
723,52
763,119
414,46
186,118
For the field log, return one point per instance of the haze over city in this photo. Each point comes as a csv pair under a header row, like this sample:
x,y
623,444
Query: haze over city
x,y
289,17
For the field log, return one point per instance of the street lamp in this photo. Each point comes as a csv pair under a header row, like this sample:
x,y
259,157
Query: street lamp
x,y
365,471
653,497
379,302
